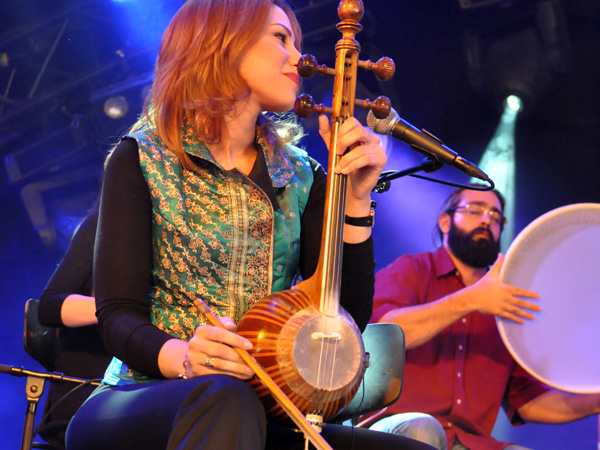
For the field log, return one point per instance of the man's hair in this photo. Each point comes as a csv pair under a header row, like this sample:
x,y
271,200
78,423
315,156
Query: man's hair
x,y
453,200
197,80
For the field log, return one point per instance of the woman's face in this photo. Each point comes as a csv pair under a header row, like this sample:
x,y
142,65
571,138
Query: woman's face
x,y
269,68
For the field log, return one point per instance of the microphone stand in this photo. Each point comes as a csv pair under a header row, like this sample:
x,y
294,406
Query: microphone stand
x,y
34,391
428,165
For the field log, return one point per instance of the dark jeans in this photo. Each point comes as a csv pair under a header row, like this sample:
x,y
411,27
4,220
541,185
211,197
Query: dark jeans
x,y
210,412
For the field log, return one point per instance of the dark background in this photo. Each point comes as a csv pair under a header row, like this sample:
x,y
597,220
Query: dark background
x,y
455,60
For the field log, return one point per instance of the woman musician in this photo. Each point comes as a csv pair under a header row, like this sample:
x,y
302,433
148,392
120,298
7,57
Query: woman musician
x,y
207,198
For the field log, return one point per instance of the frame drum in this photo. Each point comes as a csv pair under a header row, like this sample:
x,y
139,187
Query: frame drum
x,y
558,257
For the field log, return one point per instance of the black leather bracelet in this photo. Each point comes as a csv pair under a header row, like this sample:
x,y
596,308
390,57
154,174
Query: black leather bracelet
x,y
360,221
367,221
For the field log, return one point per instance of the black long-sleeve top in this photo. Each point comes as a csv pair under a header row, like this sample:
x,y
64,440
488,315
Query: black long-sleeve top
x,y
74,276
123,258
82,353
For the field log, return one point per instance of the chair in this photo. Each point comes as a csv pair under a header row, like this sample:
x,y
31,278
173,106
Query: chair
x,y
43,344
382,383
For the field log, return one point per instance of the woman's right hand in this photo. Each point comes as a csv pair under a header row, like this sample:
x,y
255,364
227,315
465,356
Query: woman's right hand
x,y
211,351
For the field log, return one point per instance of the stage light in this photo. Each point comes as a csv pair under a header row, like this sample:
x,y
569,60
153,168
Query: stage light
x,y
513,103
498,161
513,50
517,50
116,107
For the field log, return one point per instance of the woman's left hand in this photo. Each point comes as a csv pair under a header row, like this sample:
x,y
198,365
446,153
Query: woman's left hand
x,y
363,163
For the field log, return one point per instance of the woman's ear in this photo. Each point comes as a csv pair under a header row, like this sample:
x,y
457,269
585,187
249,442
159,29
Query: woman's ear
x,y
444,222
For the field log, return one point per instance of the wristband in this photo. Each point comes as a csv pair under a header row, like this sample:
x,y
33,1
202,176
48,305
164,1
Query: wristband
x,y
367,221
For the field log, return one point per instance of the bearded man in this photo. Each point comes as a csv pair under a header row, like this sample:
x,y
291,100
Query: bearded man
x,y
458,372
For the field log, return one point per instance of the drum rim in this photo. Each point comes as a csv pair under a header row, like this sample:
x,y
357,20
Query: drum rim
x,y
524,236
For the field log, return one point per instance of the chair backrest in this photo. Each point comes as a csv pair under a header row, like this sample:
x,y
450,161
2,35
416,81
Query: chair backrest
x,y
382,383
40,342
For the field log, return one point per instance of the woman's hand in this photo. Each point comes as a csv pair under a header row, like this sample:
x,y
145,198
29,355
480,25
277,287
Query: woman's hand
x,y
211,351
363,163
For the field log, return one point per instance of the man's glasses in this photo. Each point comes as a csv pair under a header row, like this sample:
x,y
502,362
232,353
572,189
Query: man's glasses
x,y
477,210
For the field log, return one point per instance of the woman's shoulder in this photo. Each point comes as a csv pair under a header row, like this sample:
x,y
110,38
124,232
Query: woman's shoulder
x,y
125,152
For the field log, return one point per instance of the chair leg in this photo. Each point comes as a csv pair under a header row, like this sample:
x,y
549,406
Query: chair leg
x,y
34,391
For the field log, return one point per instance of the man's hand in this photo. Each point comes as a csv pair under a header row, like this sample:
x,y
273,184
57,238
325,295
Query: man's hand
x,y
490,296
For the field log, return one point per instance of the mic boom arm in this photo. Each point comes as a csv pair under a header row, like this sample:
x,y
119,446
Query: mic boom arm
x,y
424,142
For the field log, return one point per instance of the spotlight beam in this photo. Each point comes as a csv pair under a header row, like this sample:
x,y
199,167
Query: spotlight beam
x,y
498,161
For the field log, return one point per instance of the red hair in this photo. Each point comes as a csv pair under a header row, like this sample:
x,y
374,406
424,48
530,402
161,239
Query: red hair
x,y
197,80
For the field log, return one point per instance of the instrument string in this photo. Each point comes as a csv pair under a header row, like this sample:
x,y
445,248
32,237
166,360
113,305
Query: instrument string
x,y
335,345
320,365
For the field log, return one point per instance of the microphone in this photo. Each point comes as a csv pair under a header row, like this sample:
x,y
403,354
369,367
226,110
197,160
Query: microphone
x,y
423,142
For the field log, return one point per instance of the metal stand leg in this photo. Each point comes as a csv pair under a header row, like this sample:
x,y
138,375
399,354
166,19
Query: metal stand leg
x,y
34,391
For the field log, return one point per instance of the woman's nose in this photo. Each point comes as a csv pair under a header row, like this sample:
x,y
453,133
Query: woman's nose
x,y
294,56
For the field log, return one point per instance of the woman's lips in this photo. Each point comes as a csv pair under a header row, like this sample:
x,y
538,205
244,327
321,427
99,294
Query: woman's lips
x,y
294,77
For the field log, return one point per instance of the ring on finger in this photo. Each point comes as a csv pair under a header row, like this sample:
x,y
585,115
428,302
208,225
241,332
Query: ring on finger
x,y
209,362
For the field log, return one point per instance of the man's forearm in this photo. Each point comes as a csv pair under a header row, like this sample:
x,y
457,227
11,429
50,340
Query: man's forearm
x,y
556,407
421,323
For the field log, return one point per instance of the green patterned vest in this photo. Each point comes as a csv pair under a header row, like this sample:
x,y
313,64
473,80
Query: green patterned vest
x,y
216,236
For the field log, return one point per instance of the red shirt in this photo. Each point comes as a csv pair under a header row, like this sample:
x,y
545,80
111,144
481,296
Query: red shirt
x,y
464,374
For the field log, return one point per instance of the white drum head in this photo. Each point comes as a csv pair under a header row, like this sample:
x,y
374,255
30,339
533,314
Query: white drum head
x,y
558,256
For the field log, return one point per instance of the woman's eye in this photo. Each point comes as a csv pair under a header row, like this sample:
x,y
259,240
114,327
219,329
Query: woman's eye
x,y
282,37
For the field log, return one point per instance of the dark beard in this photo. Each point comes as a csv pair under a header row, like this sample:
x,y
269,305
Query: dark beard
x,y
478,253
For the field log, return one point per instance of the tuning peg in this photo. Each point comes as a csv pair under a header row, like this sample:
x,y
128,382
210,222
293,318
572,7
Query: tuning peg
x,y
384,68
381,107
304,106
308,66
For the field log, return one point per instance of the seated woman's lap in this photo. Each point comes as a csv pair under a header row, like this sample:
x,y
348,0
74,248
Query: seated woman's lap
x,y
212,411
148,415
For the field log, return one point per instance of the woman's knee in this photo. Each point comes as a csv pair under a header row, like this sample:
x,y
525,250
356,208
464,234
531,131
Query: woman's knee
x,y
219,412
228,393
